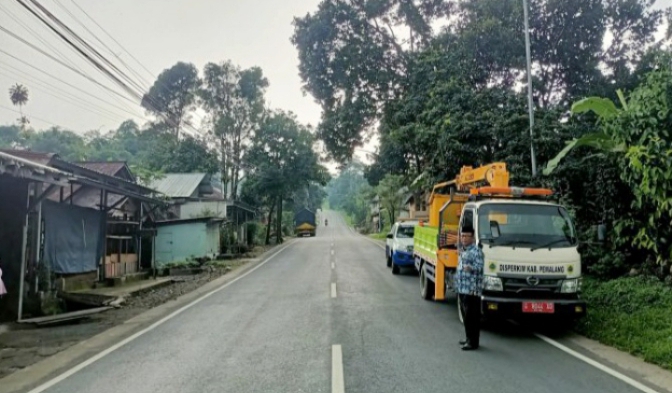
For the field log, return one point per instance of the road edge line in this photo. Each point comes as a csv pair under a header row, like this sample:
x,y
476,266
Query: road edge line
x,y
50,383
598,365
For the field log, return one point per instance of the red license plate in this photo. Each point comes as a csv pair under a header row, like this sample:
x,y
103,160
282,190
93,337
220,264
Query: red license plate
x,y
539,307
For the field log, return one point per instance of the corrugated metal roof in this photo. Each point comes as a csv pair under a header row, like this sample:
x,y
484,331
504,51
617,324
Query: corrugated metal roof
x,y
178,185
34,156
110,168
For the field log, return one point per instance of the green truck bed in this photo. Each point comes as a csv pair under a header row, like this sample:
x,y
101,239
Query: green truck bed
x,y
424,242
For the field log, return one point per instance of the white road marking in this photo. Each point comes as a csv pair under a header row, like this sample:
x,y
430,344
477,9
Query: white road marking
x,y
333,289
333,265
153,326
598,365
337,379
332,252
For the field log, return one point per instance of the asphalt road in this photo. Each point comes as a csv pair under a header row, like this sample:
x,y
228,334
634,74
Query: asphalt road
x,y
282,329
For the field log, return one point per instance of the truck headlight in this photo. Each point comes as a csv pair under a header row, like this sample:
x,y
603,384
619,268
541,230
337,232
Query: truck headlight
x,y
491,283
571,286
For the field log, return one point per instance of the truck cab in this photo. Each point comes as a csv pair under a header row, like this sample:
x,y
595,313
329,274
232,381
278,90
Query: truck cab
x,y
532,264
399,245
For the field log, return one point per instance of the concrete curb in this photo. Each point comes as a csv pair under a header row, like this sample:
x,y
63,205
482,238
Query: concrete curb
x,y
33,375
646,372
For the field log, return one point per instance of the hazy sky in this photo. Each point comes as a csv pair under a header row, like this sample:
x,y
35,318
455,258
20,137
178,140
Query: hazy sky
x,y
158,33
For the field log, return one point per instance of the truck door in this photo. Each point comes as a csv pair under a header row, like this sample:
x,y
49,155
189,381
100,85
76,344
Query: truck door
x,y
467,219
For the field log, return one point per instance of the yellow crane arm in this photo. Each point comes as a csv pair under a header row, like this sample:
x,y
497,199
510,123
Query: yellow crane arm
x,y
494,174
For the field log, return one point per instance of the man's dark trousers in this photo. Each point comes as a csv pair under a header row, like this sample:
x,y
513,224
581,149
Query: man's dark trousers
x,y
471,306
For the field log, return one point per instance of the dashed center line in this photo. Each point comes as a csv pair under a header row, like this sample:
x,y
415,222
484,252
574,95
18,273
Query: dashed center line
x,y
333,265
332,252
333,289
337,379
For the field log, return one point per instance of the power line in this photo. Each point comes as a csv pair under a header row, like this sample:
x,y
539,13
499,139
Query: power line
x,y
60,54
200,118
32,32
27,115
99,66
82,104
88,47
58,61
113,39
74,17
62,81
77,49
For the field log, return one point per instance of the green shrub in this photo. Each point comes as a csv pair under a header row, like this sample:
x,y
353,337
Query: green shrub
x,y
633,314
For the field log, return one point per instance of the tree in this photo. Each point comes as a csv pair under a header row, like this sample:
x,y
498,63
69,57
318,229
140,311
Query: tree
x,y
186,155
638,135
355,65
67,144
18,94
352,59
235,99
173,96
282,160
391,194
10,136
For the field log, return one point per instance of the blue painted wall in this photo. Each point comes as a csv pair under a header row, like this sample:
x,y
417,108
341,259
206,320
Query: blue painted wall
x,y
179,242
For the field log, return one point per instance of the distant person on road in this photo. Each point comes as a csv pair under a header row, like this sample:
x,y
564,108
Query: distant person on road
x,y
469,284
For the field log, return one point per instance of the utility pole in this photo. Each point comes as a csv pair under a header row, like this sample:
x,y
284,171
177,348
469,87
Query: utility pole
x,y
530,103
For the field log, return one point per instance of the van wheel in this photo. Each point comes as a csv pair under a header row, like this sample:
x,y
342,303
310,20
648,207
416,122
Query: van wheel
x,y
395,268
389,260
426,286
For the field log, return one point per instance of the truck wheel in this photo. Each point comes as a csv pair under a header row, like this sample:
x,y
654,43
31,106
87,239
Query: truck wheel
x,y
426,286
389,259
395,268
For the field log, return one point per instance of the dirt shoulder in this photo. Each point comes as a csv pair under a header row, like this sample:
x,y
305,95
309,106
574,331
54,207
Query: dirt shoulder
x,y
25,345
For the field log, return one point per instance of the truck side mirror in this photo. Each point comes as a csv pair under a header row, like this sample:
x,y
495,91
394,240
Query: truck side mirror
x,y
601,233
389,236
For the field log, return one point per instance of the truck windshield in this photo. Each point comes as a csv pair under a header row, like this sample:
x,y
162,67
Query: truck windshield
x,y
525,225
405,232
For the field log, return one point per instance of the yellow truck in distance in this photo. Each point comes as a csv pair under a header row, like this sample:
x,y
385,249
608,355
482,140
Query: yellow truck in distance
x,y
532,264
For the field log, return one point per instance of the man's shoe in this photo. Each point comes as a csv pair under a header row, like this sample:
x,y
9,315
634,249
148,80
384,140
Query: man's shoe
x,y
463,342
468,347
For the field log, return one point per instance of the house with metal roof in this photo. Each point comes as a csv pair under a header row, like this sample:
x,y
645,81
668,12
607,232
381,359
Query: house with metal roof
x,y
59,224
198,195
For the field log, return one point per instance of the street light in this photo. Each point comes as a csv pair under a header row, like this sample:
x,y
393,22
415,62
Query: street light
x,y
530,103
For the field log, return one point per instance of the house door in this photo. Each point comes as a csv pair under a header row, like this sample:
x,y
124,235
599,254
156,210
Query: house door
x,y
164,247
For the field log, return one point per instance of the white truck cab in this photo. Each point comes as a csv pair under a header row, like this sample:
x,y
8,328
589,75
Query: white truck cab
x,y
532,264
399,245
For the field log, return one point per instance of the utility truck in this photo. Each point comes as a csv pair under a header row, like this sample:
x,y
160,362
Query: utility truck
x,y
532,265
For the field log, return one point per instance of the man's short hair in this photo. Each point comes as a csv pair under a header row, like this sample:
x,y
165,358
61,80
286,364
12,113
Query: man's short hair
x,y
468,229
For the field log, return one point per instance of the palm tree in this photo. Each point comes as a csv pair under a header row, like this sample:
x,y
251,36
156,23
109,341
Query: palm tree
x,y
19,96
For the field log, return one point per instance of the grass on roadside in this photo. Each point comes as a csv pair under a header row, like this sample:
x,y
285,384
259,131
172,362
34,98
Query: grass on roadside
x,y
633,314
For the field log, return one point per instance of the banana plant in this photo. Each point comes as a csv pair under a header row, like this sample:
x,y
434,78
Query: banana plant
x,y
605,109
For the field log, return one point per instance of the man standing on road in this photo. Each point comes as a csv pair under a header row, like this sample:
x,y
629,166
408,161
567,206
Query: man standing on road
x,y
469,283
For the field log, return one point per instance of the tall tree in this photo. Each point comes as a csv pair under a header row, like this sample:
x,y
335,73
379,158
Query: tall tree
x,y
283,160
18,94
352,56
234,97
391,195
173,96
